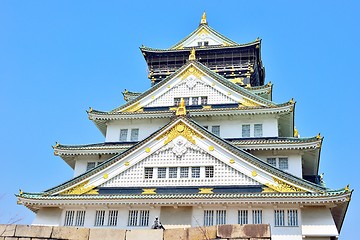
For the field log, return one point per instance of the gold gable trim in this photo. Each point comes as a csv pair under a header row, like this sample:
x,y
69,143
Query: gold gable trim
x,y
133,108
180,129
250,103
81,189
191,71
281,187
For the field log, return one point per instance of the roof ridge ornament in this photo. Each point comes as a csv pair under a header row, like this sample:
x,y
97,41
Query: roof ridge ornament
x,y
203,19
181,110
192,55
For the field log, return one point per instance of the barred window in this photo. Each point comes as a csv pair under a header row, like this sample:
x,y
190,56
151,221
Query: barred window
x,y
215,130
90,165
99,218
293,217
123,135
133,218
69,218
204,100
144,218
206,43
134,134
220,217
195,172
271,161
162,172
195,101
257,216
184,172
177,101
258,130
187,101
246,130
208,217
138,218
148,173
283,163
279,218
113,216
243,217
173,172
209,171
80,218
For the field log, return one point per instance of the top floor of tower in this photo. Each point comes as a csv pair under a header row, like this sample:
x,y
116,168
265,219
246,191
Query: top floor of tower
x,y
240,63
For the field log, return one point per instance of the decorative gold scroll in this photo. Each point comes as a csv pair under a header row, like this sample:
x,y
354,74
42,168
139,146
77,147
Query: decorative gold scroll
x,y
281,187
191,71
180,129
206,190
81,189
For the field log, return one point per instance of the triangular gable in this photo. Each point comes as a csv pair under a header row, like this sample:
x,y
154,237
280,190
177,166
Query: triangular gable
x,y
237,159
189,76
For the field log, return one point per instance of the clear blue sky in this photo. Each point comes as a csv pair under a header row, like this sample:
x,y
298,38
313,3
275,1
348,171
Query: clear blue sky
x,y
57,58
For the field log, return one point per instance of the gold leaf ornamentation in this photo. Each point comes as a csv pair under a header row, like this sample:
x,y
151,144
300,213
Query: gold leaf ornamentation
x,y
180,129
254,173
81,189
211,148
133,108
191,71
149,191
249,103
232,161
281,187
206,190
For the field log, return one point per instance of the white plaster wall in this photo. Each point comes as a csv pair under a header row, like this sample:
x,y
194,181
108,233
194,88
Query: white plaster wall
x,y
48,217
81,162
231,127
294,160
145,126
318,222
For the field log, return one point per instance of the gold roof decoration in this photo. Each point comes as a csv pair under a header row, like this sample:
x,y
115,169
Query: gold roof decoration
x,y
81,189
181,110
203,19
296,133
192,55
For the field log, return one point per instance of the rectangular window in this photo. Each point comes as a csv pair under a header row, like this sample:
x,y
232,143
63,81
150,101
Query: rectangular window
x,y
271,161
195,172
246,130
134,134
279,218
184,172
123,135
208,217
144,218
258,131
80,218
90,165
257,216
148,173
99,218
113,216
161,172
133,218
177,101
243,217
293,218
209,171
206,43
187,101
283,163
195,101
220,217
69,218
215,130
173,172
199,44
204,100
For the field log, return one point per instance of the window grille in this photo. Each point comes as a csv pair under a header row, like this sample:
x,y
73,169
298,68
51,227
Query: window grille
x,y
220,217
99,218
90,165
195,101
161,172
293,218
80,218
187,101
258,131
215,130
243,217
133,216
206,43
144,218
204,100
195,172
113,216
173,172
69,218
271,161
209,171
123,135
246,130
257,216
177,101
134,135
138,218
148,173
199,44
208,217
184,172
283,163
279,218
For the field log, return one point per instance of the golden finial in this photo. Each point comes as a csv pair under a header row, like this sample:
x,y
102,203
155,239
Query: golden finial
x,y
181,110
318,136
291,100
90,109
192,54
347,188
203,19
296,133
20,192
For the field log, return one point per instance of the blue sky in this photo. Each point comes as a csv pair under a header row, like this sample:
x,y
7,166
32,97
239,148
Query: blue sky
x,y
57,58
